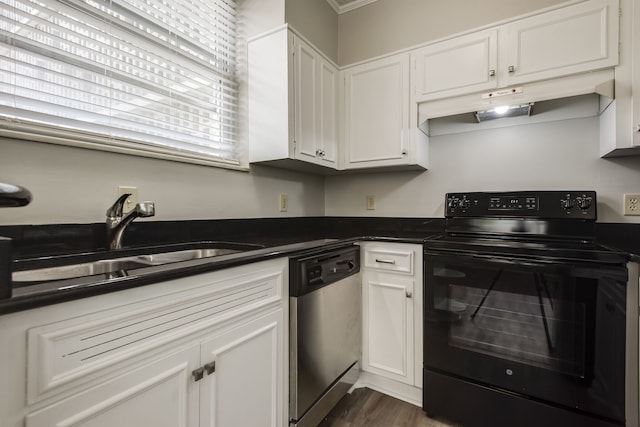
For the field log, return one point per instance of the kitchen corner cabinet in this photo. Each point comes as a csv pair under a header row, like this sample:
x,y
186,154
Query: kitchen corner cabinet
x,y
293,102
620,121
377,130
392,311
572,39
196,351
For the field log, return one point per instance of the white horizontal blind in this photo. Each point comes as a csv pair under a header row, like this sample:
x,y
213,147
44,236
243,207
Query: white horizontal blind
x,y
144,75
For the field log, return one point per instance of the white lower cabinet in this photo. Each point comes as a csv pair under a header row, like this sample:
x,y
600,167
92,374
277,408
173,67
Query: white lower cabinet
x,y
392,317
388,321
160,393
206,350
242,389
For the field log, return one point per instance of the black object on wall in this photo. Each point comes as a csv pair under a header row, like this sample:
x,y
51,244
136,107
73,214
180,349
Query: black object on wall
x,y
13,196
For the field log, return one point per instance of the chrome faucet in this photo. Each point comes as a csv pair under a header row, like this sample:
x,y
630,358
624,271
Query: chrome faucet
x,y
116,222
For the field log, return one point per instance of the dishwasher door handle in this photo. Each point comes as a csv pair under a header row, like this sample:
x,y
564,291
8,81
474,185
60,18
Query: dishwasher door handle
x,y
350,264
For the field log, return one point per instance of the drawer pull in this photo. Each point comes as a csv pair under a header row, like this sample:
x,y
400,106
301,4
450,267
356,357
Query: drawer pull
x,y
386,261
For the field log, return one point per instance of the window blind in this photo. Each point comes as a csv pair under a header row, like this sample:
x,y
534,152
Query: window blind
x,y
151,76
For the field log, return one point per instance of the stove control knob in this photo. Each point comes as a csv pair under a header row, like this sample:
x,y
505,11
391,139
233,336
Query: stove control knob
x,y
567,203
584,202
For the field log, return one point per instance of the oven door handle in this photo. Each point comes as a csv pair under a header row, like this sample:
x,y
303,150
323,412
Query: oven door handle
x,y
493,259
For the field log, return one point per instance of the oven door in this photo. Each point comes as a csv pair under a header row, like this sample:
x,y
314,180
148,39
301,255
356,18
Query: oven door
x,y
549,330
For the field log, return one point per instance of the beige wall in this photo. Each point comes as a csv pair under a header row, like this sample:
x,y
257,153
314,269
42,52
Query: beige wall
x,y
557,155
389,25
317,22
74,185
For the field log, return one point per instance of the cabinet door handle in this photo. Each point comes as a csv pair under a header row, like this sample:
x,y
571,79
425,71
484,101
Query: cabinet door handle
x,y
386,261
198,374
210,367
512,69
409,294
492,73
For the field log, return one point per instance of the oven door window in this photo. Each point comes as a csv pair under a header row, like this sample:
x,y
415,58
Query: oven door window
x,y
531,327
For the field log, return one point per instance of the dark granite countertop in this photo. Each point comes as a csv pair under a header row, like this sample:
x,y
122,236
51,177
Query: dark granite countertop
x,y
45,293
279,237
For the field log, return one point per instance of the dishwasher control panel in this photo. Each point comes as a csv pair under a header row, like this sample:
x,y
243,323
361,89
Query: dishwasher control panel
x,y
316,270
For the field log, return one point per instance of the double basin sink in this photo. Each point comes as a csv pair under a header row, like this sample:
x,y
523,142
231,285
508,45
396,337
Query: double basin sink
x,y
135,259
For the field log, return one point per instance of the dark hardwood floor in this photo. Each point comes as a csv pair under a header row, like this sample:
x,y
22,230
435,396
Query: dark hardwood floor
x,y
368,408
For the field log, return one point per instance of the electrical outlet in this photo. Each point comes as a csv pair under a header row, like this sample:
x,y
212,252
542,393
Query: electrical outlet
x,y
632,204
284,202
371,203
132,200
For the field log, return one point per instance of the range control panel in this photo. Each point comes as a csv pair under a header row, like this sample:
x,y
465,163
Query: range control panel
x,y
528,204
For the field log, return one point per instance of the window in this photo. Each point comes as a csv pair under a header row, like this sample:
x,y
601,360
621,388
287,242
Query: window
x,y
149,77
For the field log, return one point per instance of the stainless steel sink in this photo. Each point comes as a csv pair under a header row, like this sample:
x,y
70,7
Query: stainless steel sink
x,y
119,267
78,270
177,256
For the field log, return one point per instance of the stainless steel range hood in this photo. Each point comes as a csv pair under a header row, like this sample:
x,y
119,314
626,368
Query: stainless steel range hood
x,y
544,94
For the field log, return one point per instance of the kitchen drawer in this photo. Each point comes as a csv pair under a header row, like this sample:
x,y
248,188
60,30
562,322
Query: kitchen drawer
x,y
388,259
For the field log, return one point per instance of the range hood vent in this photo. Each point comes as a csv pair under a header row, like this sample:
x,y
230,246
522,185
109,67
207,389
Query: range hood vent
x,y
480,107
503,112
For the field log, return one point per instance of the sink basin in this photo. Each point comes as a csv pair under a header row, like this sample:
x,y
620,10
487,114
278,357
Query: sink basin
x,y
113,266
119,267
169,257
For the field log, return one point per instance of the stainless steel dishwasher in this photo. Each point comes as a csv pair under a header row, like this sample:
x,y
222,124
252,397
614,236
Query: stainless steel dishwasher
x,y
325,331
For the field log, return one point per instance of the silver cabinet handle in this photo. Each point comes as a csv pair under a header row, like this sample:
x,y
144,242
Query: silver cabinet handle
x,y
409,294
492,73
512,69
210,367
198,374
386,261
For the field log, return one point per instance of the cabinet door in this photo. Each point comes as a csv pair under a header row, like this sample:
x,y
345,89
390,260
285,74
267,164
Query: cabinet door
x,y
305,122
316,89
376,113
328,113
162,393
635,75
388,326
574,39
247,386
458,66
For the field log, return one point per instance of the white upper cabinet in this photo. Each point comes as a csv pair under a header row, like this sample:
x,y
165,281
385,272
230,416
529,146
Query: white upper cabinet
x,y
377,128
457,66
316,100
569,40
634,129
620,121
293,102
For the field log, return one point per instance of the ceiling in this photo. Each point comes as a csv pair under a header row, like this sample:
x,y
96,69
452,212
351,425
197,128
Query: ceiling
x,y
341,6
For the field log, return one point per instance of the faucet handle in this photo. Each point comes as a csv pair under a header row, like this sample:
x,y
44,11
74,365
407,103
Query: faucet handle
x,y
146,209
115,211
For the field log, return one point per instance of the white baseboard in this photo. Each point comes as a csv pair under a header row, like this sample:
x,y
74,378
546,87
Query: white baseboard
x,y
405,392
